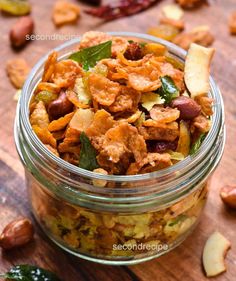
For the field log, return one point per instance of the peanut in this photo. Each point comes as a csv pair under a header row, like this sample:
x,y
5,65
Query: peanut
x,y
18,34
17,233
228,196
60,107
188,108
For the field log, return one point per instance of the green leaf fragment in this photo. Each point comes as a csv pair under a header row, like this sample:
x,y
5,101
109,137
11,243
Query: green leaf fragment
x,y
87,154
27,272
194,148
168,90
88,57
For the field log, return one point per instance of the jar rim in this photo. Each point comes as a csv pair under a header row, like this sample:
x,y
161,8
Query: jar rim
x,y
189,161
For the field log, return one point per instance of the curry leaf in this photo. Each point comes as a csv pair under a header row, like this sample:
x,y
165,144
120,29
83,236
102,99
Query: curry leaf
x,y
197,144
27,272
88,57
87,154
168,90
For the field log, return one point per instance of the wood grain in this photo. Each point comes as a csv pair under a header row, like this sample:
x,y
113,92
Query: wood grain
x,y
184,263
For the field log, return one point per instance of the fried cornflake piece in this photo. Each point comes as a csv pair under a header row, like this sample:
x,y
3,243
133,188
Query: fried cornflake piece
x,y
59,135
164,115
71,137
123,60
71,158
232,23
50,87
61,123
126,100
164,31
101,123
65,13
17,71
67,146
52,149
119,45
39,116
164,132
177,75
202,123
49,66
103,90
45,136
65,73
152,162
132,118
179,24
173,11
97,182
154,48
92,38
200,35
206,104
123,139
184,139
73,98
144,78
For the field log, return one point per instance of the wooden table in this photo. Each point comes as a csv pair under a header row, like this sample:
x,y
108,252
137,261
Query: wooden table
x,y
184,263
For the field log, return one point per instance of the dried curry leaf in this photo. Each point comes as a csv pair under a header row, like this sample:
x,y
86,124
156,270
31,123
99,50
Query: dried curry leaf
x,y
87,154
88,57
168,90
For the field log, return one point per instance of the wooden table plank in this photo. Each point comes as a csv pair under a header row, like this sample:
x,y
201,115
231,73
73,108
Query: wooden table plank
x,y
184,263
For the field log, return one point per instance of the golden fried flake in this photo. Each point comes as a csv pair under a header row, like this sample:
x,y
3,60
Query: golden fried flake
x,y
152,162
61,123
102,89
66,72
50,87
119,45
39,116
73,98
176,74
164,115
65,13
132,118
127,100
123,139
206,104
17,71
45,136
144,78
101,123
202,123
164,132
92,38
49,67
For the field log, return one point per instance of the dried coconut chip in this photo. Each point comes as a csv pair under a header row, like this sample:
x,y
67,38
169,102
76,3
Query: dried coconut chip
x,y
173,12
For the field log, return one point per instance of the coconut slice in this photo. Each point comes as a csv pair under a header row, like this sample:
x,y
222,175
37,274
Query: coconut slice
x,y
214,253
197,69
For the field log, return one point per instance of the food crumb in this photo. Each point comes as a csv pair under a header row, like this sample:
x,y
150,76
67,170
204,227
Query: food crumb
x,y
17,71
65,13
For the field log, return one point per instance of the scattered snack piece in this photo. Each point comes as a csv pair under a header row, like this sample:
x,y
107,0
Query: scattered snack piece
x,y
197,69
189,3
17,233
175,23
200,35
23,28
214,253
232,23
228,196
17,70
65,13
173,12
15,7
164,31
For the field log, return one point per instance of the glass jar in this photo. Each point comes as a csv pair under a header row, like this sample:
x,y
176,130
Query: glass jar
x,y
116,219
